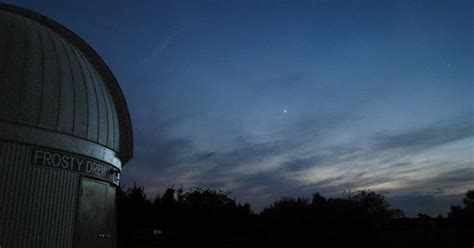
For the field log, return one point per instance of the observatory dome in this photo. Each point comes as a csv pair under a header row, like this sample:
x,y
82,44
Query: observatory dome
x,y
65,132
55,91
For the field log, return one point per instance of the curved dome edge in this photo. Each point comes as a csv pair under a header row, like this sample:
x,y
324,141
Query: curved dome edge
x,y
126,133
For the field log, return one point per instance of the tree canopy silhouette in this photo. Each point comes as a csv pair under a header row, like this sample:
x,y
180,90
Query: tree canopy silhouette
x,y
214,219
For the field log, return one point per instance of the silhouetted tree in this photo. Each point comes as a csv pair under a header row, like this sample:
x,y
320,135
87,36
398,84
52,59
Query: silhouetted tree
x,y
214,219
454,211
318,200
469,199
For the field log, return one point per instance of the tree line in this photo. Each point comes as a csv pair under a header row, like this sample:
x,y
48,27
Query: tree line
x,y
212,218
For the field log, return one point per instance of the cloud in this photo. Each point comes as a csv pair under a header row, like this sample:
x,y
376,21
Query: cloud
x,y
428,137
400,164
451,182
162,153
205,156
301,163
247,159
163,45
457,176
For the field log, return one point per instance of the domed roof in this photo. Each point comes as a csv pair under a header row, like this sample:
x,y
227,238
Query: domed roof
x,y
51,79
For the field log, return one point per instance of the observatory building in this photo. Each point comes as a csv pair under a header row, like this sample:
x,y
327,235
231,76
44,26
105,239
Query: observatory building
x,y
65,133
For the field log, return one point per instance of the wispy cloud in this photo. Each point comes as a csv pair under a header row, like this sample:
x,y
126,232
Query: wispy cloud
x,y
428,137
163,45
395,164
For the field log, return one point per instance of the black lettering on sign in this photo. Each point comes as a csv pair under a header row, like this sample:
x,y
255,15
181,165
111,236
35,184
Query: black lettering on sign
x,y
65,161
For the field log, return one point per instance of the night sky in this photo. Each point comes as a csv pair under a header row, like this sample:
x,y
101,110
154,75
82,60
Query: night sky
x,y
284,98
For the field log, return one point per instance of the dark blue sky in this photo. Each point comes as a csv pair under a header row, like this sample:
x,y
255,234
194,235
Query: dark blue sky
x,y
273,98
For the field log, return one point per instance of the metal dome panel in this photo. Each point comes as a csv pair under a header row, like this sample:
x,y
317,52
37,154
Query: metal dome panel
x,y
50,79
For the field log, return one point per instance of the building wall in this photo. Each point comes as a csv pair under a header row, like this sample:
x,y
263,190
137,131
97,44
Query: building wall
x,y
38,204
